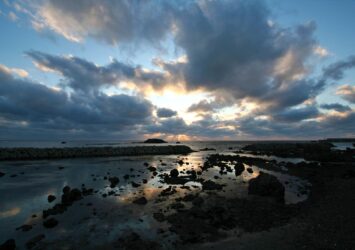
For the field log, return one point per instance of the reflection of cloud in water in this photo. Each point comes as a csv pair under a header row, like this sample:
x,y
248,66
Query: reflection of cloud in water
x,y
9,213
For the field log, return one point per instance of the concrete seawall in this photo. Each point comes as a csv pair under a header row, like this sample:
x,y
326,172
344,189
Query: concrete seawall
x,y
83,152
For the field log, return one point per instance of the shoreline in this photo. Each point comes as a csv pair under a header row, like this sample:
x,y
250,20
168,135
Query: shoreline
x,y
19,154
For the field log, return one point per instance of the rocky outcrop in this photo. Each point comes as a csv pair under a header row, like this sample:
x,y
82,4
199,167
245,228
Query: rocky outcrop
x,y
267,185
154,140
85,152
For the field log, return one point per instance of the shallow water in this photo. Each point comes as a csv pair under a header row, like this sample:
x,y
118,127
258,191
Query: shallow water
x,y
26,194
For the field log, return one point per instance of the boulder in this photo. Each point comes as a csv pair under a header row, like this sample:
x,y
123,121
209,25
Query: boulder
x,y
239,168
51,198
267,185
140,201
50,223
174,173
8,245
114,181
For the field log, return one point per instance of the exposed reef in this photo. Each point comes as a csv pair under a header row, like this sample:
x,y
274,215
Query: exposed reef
x,y
86,152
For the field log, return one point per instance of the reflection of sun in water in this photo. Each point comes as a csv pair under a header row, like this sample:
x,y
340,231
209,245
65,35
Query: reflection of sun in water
x,y
9,213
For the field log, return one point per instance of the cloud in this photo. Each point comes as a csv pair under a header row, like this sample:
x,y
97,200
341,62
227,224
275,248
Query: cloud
x,y
336,106
110,21
34,107
81,74
16,71
165,113
296,114
347,92
336,70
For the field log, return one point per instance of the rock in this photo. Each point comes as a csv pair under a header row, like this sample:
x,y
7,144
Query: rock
x,y
180,162
144,181
25,228
152,169
267,185
134,241
140,201
8,245
239,168
50,223
159,216
13,175
51,198
2,174
114,181
177,205
126,176
174,173
250,170
154,140
211,185
207,149
33,241
66,189
168,191
146,164
135,185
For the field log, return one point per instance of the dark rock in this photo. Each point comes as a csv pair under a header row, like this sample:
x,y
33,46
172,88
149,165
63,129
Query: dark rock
x,y
50,223
144,181
114,181
33,241
239,168
140,201
51,198
207,149
267,185
25,228
60,168
177,205
8,245
57,209
2,174
13,175
168,191
174,173
250,170
180,162
211,185
146,164
134,241
154,140
152,169
159,216
66,189
135,185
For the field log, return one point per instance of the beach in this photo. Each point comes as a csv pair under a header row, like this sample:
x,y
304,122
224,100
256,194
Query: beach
x,y
212,196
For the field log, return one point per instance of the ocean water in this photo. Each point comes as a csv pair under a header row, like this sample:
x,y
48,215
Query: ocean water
x,y
26,185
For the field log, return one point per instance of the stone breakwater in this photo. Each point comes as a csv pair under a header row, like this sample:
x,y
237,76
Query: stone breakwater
x,y
84,152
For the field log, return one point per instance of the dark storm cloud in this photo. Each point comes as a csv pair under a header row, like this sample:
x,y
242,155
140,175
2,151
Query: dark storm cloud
x,y
336,106
336,70
296,115
165,112
33,106
329,125
83,75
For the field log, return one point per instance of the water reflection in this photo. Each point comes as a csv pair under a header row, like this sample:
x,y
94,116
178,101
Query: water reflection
x,y
100,219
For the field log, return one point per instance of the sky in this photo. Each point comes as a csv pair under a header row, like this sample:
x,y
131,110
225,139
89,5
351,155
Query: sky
x,y
178,70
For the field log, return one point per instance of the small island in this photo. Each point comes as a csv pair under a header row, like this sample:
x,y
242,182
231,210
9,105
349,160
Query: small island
x,y
154,140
